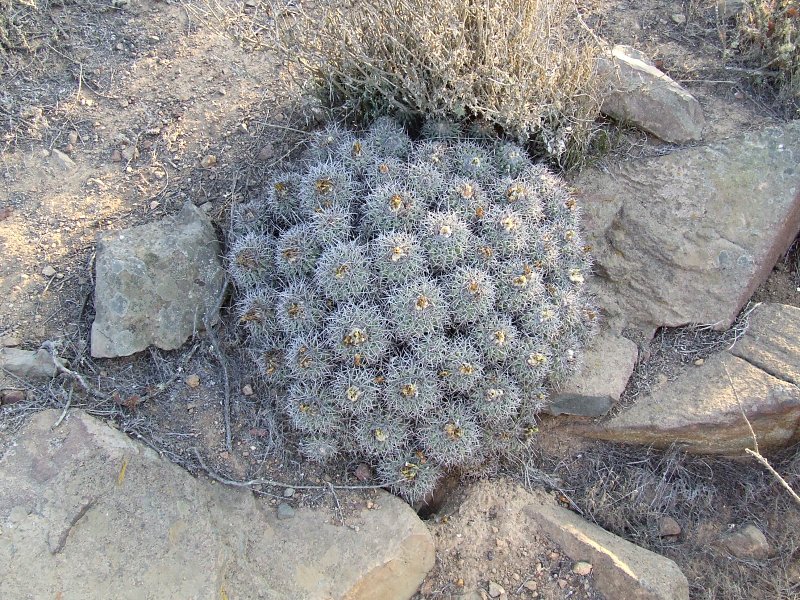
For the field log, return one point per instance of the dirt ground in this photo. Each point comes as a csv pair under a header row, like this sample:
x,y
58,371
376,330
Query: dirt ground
x,y
114,113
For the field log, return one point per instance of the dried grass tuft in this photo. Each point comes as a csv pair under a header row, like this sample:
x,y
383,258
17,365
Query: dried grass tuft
x,y
523,66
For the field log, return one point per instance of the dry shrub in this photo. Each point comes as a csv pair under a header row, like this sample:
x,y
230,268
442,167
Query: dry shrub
x,y
768,39
523,66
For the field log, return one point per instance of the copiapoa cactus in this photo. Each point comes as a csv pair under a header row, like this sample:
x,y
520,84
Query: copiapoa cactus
x,y
412,302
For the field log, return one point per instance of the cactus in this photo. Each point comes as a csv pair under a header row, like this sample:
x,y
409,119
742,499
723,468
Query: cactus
x,y
410,302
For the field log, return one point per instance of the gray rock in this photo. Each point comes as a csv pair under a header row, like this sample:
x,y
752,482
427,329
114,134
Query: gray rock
x,y
747,542
702,411
285,511
770,342
62,160
606,366
644,96
28,364
729,8
687,237
157,284
85,512
621,569
496,590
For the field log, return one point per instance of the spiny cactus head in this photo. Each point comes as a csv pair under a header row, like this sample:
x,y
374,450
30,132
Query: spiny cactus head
x,y
380,434
282,198
417,308
355,390
255,311
497,399
467,198
389,138
358,334
436,129
495,338
250,260
470,293
320,448
532,363
511,159
323,142
309,358
356,152
519,287
447,240
411,389
332,225
383,171
309,410
411,474
462,368
325,186
470,159
270,359
427,182
343,272
452,436
506,230
299,309
391,207
296,251
397,257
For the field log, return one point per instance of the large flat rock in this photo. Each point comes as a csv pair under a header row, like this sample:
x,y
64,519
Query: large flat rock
x,y
687,237
157,284
703,410
772,341
86,513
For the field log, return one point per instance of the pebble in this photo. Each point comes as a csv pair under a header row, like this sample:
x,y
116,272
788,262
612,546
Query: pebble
x,y
679,19
73,137
116,156
562,583
64,161
582,568
668,526
154,204
130,153
266,152
285,511
192,381
247,390
363,472
288,492
10,341
208,161
48,271
12,396
699,362
496,590
531,586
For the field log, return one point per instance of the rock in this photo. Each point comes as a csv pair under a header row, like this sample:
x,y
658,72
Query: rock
x,y
28,364
156,284
641,94
62,160
496,590
12,396
701,411
582,568
247,390
208,161
770,342
116,156
285,511
678,18
607,365
729,8
621,569
266,152
5,212
87,512
667,526
288,492
192,381
48,271
687,237
9,341
747,542
363,472
130,153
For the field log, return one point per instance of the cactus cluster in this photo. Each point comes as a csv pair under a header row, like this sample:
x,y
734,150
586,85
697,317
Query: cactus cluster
x,y
413,301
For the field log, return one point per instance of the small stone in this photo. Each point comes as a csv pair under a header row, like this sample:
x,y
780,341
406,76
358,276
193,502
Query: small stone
x,y
123,103
206,207
62,160
679,19
495,590
370,504
285,511
747,542
266,152
5,212
531,586
192,381
208,161
73,137
69,148
48,271
154,204
363,472
668,526
582,568
116,156
247,390
562,583
499,543
288,492
699,362
554,556
130,153
10,341
12,396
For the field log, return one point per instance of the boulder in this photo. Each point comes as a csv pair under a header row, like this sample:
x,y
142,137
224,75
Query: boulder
x,y
157,284
621,569
85,512
687,237
746,542
703,410
771,341
642,95
598,383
